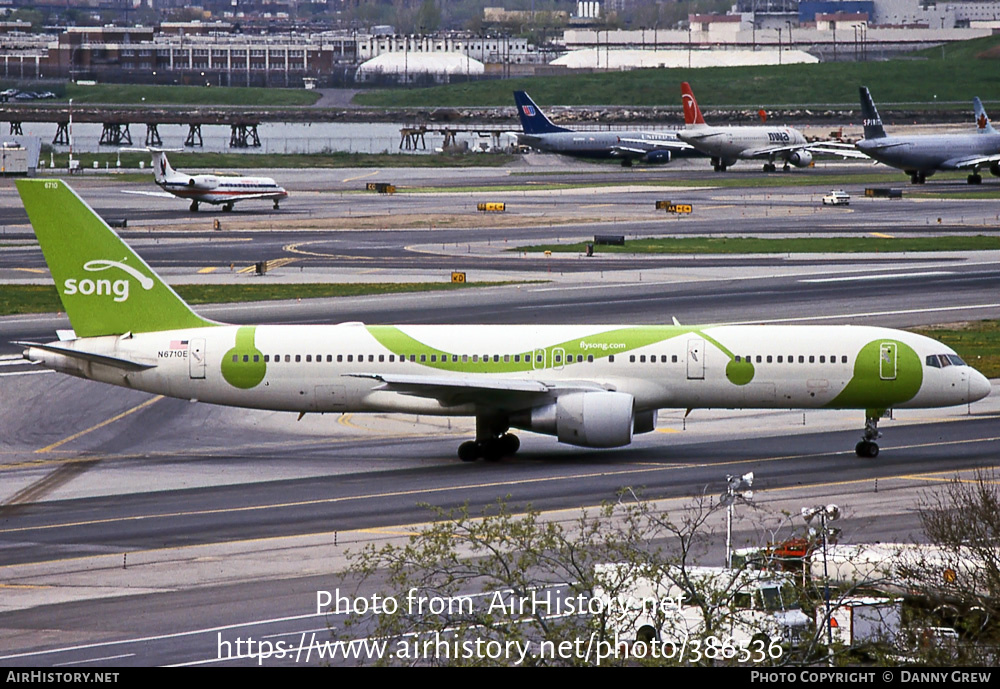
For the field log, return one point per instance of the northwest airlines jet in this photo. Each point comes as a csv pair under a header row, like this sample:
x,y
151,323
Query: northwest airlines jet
x,y
587,385
726,145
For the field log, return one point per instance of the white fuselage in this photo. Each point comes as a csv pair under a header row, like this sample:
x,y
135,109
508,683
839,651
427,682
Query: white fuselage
x,y
730,144
336,368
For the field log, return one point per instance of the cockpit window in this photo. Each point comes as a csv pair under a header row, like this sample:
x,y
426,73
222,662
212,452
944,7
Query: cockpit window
x,y
942,360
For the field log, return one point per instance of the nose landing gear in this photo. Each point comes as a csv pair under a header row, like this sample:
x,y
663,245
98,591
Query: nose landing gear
x,y
868,447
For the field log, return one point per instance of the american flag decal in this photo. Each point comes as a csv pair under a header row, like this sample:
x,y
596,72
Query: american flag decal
x,y
528,110
178,344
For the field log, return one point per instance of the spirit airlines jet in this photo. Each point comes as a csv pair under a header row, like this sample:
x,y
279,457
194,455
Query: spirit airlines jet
x,y
587,385
214,189
726,145
920,156
646,147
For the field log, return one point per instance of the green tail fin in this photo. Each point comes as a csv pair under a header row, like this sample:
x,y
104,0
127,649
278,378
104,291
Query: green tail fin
x,y
105,287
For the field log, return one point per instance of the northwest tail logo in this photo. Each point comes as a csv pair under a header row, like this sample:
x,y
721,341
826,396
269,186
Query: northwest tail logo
x,y
116,289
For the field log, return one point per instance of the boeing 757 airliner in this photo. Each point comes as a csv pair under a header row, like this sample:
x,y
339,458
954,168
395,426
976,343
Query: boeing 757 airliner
x,y
587,385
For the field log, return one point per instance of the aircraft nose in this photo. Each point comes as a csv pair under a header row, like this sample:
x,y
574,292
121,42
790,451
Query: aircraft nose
x,y
979,386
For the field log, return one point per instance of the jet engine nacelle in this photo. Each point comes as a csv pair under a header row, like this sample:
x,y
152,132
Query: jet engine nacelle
x,y
657,157
801,158
202,182
587,419
995,169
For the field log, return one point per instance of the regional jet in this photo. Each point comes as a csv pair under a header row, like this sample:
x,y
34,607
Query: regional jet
x,y
224,190
588,385
921,155
726,145
628,146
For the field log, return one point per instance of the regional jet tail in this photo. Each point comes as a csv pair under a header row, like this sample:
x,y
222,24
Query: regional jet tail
x,y
224,190
648,147
921,155
726,145
587,385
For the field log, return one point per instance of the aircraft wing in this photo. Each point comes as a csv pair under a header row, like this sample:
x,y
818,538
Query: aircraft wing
x,y
962,163
824,147
643,146
160,194
832,149
509,393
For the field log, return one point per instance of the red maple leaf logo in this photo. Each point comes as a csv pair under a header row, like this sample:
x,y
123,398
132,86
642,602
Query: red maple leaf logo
x,y
982,121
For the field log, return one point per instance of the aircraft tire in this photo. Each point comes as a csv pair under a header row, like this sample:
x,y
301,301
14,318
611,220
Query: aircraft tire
x,y
866,448
468,451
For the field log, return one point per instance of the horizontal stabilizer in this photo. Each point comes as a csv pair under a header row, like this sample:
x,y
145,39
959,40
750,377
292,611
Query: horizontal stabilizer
x,y
115,362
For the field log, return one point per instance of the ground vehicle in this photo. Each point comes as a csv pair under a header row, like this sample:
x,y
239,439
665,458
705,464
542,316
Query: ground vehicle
x,y
837,197
735,607
863,620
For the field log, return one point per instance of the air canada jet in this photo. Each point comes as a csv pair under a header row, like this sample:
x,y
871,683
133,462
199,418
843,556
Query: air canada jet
x,y
628,146
587,385
921,155
726,145
224,190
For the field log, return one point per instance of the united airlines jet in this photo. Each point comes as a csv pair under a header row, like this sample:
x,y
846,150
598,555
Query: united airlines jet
x,y
587,385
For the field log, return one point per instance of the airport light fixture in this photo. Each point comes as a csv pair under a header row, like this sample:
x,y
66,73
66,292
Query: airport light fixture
x,y
825,514
737,490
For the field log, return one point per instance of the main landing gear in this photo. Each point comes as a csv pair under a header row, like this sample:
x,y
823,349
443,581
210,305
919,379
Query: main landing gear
x,y
227,207
718,165
193,207
975,178
492,442
276,204
868,447
917,178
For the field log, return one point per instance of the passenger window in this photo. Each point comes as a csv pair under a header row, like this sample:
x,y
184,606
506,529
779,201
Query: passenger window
x,y
267,358
822,359
423,358
768,358
517,358
674,358
611,358
350,357
434,357
843,359
392,358
631,358
298,358
309,358
371,357
256,358
340,357
780,359
642,359
246,358
381,358
288,358
506,358
737,358
663,358
590,358
236,358
465,358
558,359
812,359
802,359
759,358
